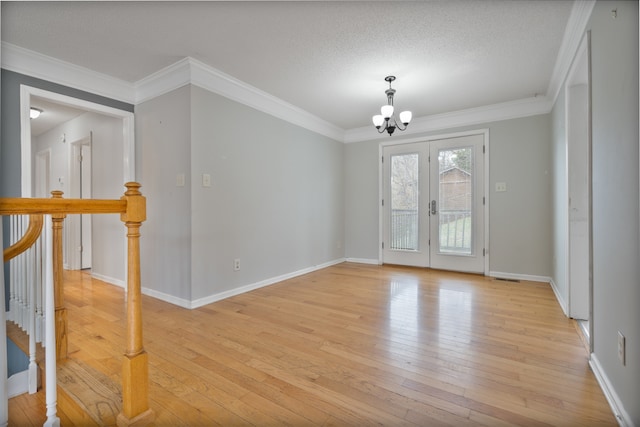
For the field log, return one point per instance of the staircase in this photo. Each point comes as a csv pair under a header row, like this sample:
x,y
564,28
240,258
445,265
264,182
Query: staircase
x,y
36,303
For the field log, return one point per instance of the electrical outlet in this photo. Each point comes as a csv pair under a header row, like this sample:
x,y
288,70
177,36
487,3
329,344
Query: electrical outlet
x,y
501,186
621,349
206,180
236,264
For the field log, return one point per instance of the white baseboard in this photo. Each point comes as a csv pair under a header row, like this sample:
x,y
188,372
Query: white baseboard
x,y
18,384
623,417
232,292
516,276
181,302
363,261
533,278
563,304
110,280
222,295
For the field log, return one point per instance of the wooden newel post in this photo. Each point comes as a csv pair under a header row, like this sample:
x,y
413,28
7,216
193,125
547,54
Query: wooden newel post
x,y
135,371
57,221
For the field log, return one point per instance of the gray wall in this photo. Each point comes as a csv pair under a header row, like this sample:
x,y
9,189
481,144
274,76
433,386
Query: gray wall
x,y
519,219
615,163
163,150
616,252
276,199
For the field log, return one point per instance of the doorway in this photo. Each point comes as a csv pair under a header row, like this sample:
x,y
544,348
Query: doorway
x,y
112,142
579,234
433,203
79,246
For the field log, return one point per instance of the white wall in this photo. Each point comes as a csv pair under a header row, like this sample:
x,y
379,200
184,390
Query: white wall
x,y
276,199
108,232
519,220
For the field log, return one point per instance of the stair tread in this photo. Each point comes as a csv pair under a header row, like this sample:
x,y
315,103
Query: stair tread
x,y
94,392
84,387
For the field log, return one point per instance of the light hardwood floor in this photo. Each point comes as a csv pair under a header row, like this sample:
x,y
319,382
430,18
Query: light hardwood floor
x,y
352,344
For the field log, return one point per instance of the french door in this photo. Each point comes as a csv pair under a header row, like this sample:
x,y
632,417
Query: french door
x,y
406,204
433,204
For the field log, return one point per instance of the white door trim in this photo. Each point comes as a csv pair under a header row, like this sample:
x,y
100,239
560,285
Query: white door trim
x,y
485,133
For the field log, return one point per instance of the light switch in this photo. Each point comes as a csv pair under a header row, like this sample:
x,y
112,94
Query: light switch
x,y
180,180
206,180
501,186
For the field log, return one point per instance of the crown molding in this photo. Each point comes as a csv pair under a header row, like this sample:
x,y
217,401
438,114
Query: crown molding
x,y
34,64
192,71
185,71
576,26
162,81
223,84
472,116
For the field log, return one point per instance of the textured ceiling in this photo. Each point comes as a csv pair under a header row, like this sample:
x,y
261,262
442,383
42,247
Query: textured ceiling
x,y
328,58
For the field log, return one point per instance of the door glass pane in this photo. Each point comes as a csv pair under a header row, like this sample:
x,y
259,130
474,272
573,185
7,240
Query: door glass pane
x,y
455,202
404,202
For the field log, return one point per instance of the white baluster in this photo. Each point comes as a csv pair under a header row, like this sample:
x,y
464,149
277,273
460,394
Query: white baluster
x,y
22,281
4,395
12,268
50,353
18,283
39,286
33,367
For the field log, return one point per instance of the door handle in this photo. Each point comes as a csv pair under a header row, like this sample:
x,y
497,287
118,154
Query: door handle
x,y
433,207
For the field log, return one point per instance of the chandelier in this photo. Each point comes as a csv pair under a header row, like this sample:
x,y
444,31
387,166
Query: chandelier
x,y
386,113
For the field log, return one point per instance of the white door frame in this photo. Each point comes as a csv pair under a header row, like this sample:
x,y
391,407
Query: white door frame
x,y
128,137
26,92
485,133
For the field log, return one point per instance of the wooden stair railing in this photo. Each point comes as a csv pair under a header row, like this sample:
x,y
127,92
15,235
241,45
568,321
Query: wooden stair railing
x,y
132,210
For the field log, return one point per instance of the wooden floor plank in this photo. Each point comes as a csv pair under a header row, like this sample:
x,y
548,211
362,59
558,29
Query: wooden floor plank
x,y
351,344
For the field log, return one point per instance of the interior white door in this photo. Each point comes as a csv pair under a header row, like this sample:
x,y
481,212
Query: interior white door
x,y
85,193
457,203
405,204
78,227
579,200
43,174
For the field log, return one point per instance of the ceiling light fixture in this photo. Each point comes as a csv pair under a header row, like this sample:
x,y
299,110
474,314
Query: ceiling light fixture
x,y
386,117
34,113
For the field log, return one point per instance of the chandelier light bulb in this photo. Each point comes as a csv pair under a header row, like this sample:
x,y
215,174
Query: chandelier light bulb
x,y
378,120
405,117
387,111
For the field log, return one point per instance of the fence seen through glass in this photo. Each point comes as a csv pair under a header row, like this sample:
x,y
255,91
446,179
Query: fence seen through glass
x,y
455,200
404,202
